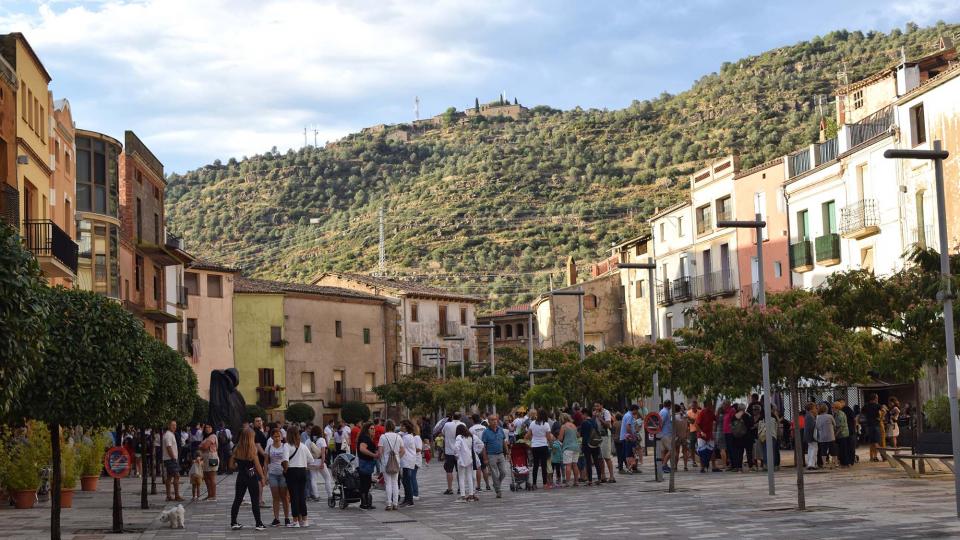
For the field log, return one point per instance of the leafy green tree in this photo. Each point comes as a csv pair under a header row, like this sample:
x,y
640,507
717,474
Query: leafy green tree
x,y
23,311
253,411
92,373
354,411
300,412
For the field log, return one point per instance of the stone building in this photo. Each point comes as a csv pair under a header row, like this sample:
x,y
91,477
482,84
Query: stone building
x,y
557,316
510,331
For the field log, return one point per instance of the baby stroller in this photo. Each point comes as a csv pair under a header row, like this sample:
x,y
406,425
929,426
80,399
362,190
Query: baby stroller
x,y
519,468
346,486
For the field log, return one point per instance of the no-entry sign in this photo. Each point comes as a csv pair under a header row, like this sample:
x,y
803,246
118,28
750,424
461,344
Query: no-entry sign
x,y
117,462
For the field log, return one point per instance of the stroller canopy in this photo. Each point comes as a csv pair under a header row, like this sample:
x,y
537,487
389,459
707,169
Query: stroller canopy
x,y
345,463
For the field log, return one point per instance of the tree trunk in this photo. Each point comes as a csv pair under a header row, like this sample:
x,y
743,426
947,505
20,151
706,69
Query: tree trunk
x,y
55,483
153,463
798,444
117,501
673,453
144,503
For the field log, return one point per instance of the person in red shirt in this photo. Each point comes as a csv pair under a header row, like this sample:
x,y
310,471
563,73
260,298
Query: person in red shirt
x,y
705,422
378,430
354,434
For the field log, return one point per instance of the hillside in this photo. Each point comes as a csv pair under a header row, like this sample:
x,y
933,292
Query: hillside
x,y
494,206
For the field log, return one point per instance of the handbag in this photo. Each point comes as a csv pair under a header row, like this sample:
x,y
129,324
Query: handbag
x,y
213,462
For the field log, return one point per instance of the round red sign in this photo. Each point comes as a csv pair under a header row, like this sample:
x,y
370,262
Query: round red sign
x,y
652,423
117,462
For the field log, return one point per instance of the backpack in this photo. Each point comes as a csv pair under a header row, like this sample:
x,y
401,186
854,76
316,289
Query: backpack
x,y
738,427
393,465
595,438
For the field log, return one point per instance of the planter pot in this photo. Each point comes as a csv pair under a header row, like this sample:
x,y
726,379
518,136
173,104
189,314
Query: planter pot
x,y
89,483
66,498
24,498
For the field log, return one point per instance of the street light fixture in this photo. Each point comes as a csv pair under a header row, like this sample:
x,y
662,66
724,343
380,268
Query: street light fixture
x,y
937,155
757,225
579,294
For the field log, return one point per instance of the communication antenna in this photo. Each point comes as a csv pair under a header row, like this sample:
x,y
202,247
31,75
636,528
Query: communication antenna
x,y
304,135
315,132
416,106
383,251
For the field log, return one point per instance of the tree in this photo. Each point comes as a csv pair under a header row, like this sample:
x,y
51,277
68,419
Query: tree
x,y
23,312
476,105
354,411
92,373
300,412
546,395
253,411
455,394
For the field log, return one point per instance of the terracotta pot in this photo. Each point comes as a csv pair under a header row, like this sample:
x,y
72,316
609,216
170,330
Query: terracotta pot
x,y
89,483
24,498
66,498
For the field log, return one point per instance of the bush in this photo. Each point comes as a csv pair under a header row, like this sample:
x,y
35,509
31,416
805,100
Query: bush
x,y
91,454
937,414
69,465
25,457
354,411
201,411
254,411
300,412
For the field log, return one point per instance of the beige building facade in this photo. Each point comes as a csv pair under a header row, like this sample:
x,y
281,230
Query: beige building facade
x,y
557,316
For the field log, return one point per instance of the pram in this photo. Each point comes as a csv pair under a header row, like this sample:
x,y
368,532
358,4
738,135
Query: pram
x,y
519,468
346,487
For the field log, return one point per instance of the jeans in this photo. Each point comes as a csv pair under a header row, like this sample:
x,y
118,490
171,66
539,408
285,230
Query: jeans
x,y
466,476
413,481
621,458
592,459
541,454
244,484
297,486
391,482
498,469
736,454
776,452
407,480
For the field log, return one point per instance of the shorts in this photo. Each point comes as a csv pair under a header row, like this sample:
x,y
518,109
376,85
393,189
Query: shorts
x,y
692,441
277,480
666,443
872,434
172,467
570,456
449,462
606,447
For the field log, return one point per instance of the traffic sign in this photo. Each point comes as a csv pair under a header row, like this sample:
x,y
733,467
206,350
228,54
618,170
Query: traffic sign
x,y
117,462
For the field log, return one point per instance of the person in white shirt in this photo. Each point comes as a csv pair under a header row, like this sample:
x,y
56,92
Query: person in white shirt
x,y
318,467
466,448
171,462
345,438
295,468
410,461
476,431
391,446
540,438
328,436
449,450
276,455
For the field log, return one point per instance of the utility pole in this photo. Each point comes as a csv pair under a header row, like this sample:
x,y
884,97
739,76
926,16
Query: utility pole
x,y
304,136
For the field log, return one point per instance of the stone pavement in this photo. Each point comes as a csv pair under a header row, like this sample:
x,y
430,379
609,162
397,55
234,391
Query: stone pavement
x,y
870,501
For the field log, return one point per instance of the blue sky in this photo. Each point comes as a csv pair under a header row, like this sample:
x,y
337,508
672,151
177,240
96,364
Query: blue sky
x,y
205,79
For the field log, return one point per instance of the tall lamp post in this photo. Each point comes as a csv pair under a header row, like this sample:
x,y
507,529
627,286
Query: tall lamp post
x,y
579,294
650,267
757,225
946,294
493,361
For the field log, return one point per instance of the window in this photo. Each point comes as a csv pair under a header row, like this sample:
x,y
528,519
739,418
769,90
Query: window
x,y
23,100
803,225
590,301
307,334
777,269
157,288
641,248
42,123
466,355
415,356
509,329
338,328
338,385
276,336
265,377
496,332
857,99
192,330
724,209
138,273
369,381
519,330
704,220
463,315
668,325
366,336
414,312
663,232
862,180
192,282
93,186
680,226
156,229
918,128
866,259
640,286
828,212
214,286
306,383
66,161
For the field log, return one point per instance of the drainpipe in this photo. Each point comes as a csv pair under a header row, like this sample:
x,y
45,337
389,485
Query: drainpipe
x,y
786,199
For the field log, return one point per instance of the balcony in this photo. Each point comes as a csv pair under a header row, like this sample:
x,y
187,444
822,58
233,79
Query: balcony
x,y
798,162
860,220
714,285
183,298
876,124
448,328
161,316
165,254
268,397
336,398
680,289
826,151
663,293
801,256
54,249
9,205
828,249
923,238
173,241
185,345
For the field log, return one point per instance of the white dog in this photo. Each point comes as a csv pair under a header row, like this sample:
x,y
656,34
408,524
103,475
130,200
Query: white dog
x,y
174,516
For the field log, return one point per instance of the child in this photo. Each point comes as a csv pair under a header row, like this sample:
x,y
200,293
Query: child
x,y
426,451
556,459
196,477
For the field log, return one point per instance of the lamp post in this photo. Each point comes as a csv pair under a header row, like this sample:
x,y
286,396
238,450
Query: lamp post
x,y
579,294
757,225
493,361
651,267
463,364
937,155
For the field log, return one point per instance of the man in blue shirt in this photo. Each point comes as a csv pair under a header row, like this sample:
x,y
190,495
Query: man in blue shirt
x,y
495,443
666,434
629,437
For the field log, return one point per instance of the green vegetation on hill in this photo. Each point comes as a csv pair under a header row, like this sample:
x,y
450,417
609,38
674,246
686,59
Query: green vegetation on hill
x,y
494,206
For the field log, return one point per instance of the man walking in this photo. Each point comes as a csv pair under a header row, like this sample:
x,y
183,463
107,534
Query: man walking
x,y
449,449
604,421
628,435
171,463
665,437
494,445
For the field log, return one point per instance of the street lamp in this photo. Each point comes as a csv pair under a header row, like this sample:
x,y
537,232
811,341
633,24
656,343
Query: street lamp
x,y
937,155
579,294
757,225
463,364
529,314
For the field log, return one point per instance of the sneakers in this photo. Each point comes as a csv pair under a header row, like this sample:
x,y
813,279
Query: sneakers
x,y
448,492
293,525
275,523
666,469
461,500
260,527
499,496
286,522
236,526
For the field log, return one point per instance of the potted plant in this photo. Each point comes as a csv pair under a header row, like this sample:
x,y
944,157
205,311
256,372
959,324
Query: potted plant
x,y
70,468
90,458
28,453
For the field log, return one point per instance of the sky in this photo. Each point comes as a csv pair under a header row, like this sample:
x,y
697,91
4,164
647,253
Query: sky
x,y
200,80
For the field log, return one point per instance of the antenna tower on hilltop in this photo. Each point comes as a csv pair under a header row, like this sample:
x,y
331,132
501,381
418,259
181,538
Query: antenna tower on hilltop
x,y
315,132
416,107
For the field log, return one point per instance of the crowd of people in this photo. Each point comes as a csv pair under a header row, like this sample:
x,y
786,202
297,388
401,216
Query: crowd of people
x,y
525,449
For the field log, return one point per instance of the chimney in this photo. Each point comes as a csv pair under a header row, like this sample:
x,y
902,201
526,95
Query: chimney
x,y
571,272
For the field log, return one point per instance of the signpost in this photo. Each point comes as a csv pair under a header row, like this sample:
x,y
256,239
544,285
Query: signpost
x,y
117,462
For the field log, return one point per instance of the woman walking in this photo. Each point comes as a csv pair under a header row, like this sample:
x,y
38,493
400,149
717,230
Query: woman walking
x,y
318,465
409,461
276,455
467,463
540,438
570,450
368,456
250,478
391,452
295,470
209,449
826,435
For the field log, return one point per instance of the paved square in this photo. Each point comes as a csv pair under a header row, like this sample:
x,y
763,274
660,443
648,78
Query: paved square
x,y
870,501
